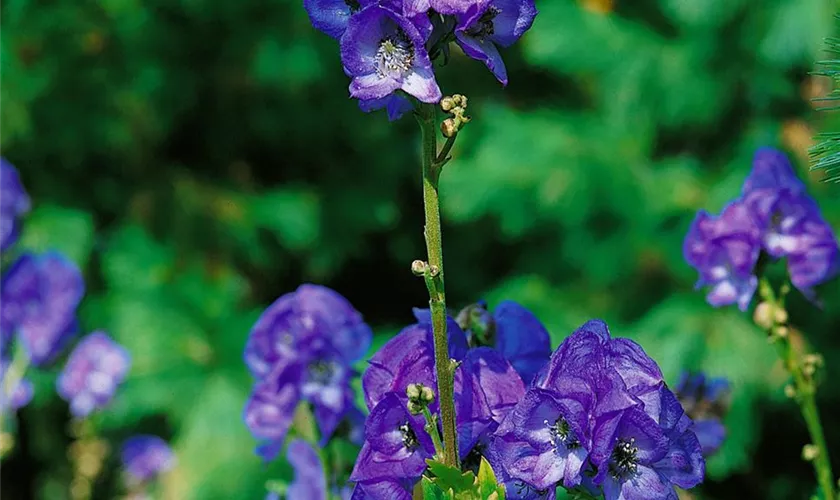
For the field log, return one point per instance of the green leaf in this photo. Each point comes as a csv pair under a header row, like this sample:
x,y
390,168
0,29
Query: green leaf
x,y
451,477
133,261
293,215
50,227
487,482
431,491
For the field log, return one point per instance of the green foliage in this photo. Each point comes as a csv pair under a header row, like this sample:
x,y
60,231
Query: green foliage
x,y
826,153
449,483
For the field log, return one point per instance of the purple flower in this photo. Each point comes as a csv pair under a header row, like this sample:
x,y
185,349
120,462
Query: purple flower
x,y
384,52
649,451
21,393
38,301
301,349
145,457
515,489
484,26
94,370
385,489
724,250
704,400
309,481
545,440
771,175
14,202
305,320
396,445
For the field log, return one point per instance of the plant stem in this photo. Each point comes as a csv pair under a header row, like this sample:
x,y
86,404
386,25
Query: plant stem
x,y
806,390
432,430
437,296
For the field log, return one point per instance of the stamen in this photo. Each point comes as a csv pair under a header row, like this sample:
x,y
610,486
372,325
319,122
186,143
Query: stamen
x,y
394,56
354,5
409,437
484,26
322,372
561,434
624,461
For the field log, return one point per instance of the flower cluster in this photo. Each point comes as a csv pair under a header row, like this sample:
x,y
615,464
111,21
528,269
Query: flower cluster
x,y
145,457
705,401
775,216
39,296
599,417
387,46
94,370
310,480
14,202
492,354
302,348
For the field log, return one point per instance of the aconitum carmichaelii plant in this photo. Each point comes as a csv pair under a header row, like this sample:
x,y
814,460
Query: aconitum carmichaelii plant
x,y
14,202
397,443
387,47
600,417
705,400
775,216
145,457
38,301
302,348
93,372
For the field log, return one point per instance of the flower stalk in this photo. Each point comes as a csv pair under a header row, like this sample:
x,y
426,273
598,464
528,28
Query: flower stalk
x,y
804,385
434,280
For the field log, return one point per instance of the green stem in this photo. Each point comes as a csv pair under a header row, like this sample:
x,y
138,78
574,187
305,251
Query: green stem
x,y
432,431
437,296
806,398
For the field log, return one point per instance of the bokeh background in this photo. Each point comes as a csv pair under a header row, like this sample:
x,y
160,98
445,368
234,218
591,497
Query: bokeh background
x,y
199,158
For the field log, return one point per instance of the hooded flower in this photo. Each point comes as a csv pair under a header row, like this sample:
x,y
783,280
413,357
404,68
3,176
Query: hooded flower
x,y
515,489
301,349
21,394
546,438
704,400
383,51
94,370
395,104
649,452
145,457
38,301
396,445
724,249
485,26
14,202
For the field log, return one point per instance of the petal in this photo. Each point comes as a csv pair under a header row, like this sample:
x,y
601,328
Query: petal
x,y
515,17
420,83
309,481
521,338
328,16
373,86
646,484
483,50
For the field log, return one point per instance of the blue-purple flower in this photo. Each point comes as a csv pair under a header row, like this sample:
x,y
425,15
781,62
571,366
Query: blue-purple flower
x,y
486,388
487,25
94,370
19,395
599,417
724,249
302,349
38,301
14,202
145,457
384,52
331,16
775,215
704,400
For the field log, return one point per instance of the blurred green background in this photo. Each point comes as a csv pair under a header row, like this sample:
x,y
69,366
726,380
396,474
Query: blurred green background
x,y
199,158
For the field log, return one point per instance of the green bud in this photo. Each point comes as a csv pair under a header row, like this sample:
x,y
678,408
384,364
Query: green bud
x,y
418,268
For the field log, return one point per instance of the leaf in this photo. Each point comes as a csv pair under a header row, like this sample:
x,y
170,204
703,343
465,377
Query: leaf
x,y
50,227
134,261
451,478
293,215
487,483
431,491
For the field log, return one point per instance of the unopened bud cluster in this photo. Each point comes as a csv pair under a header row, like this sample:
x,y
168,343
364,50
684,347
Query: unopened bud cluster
x,y
420,268
419,397
456,105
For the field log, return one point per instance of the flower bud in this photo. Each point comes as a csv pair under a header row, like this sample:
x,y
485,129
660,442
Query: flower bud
x,y
810,452
427,395
447,103
763,315
418,268
790,391
413,391
780,315
448,128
